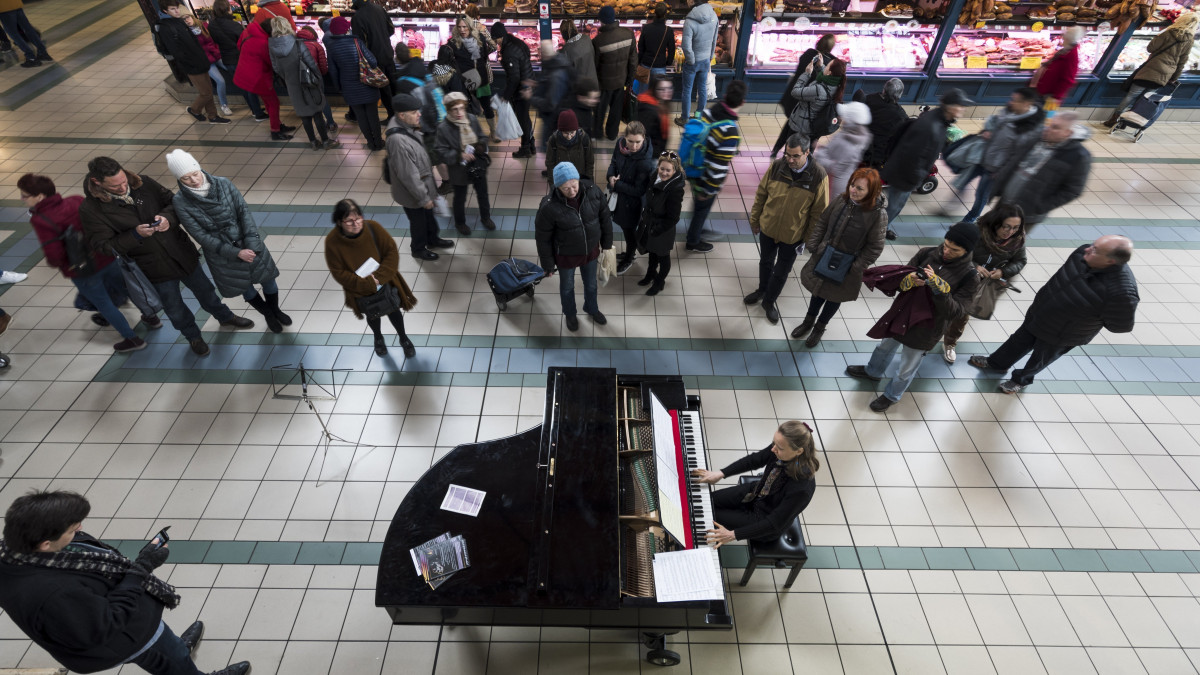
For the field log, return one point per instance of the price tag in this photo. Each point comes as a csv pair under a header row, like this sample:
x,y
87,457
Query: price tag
x,y
1037,27
952,62
980,24
977,62
1104,26
803,22
1030,62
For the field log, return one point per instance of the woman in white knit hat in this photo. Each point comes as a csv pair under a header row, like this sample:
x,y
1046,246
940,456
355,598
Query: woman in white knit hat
x,y
213,211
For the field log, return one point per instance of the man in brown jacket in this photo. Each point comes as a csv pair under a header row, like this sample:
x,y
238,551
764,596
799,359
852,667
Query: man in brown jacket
x,y
790,199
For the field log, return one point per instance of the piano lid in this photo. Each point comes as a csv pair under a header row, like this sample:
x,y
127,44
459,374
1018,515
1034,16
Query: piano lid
x,y
540,540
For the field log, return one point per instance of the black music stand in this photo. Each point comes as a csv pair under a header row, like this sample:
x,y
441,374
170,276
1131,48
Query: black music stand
x,y
304,377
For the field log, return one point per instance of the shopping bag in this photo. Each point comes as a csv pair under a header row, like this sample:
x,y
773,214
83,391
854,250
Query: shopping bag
x,y
141,291
440,207
508,127
983,303
607,268
712,86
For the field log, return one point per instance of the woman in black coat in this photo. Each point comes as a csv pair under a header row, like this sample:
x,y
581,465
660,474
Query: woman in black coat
x,y
656,233
225,32
630,174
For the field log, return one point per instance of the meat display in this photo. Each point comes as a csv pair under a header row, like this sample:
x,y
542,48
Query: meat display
x,y
879,50
1002,50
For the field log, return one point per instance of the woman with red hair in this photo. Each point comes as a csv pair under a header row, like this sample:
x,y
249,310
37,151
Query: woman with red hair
x,y
854,224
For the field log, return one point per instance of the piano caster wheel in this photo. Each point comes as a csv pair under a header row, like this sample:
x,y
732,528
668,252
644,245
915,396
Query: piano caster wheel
x,y
662,657
5,361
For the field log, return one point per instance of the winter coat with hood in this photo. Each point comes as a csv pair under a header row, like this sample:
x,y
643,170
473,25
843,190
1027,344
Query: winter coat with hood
x,y
178,40
271,9
700,33
886,118
343,68
841,156
664,200
636,171
254,72
308,38
221,222
960,274
563,230
652,113
916,151
846,226
111,224
374,27
581,54
811,99
1169,54
408,163
447,145
616,56
225,32
1078,301
788,203
50,219
288,57
1060,180
1010,131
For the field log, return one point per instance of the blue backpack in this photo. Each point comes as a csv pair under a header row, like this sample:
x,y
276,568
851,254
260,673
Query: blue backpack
x,y
692,146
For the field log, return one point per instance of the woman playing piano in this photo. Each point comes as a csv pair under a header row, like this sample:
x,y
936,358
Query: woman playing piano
x,y
763,510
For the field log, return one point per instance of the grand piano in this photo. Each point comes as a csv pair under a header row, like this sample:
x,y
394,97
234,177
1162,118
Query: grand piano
x,y
573,514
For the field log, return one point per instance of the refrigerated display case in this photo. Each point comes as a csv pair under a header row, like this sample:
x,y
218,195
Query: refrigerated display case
x,y
1134,54
776,45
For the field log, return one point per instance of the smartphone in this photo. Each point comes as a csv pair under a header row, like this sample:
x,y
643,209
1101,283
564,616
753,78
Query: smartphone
x,y
162,537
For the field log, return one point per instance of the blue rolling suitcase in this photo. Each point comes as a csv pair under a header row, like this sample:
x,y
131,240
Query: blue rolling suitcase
x,y
1144,112
512,278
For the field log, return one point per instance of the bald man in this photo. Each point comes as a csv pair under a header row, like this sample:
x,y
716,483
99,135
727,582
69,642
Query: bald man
x,y
1094,289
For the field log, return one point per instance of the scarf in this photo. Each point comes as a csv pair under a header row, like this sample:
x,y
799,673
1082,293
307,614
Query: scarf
x,y
765,484
107,563
466,135
201,191
829,80
472,46
996,246
195,30
126,199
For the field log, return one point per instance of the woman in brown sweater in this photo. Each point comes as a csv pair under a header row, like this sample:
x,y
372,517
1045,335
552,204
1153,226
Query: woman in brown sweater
x,y
351,243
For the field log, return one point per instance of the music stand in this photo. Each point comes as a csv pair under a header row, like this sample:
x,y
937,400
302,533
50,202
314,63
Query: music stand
x,y
306,377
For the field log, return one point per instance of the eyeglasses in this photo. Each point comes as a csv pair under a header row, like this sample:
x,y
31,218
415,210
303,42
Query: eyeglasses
x,y
668,155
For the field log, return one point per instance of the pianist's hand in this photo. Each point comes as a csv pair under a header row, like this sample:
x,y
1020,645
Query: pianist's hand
x,y
707,476
718,536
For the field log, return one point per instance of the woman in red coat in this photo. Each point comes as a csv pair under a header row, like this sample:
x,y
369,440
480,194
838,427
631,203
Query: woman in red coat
x,y
255,75
1058,75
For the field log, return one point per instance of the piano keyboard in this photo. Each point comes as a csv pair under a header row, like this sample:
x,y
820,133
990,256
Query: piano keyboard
x,y
699,494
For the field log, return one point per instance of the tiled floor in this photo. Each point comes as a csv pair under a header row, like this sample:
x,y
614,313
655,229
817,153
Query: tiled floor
x,y
963,532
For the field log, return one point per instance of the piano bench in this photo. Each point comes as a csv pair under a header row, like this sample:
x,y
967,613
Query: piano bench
x,y
787,551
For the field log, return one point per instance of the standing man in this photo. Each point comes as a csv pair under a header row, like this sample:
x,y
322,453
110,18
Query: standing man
x,y
413,187
1018,125
134,216
720,145
553,87
1049,171
791,197
699,45
181,44
616,64
1093,289
518,83
915,152
79,599
14,21
372,25
656,46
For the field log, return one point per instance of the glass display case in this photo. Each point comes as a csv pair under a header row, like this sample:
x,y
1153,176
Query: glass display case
x,y
1135,52
866,44
1012,46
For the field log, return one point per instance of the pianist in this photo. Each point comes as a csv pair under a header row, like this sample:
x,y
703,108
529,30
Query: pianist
x,y
762,510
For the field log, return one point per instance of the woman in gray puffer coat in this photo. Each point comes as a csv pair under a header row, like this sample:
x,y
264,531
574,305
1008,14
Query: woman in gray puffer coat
x,y
845,149
212,210
293,62
813,94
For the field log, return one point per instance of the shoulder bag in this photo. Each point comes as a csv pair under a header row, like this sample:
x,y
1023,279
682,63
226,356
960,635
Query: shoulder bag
x,y
983,303
368,74
834,264
383,301
642,74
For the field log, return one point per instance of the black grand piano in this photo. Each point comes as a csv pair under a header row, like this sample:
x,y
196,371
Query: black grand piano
x,y
573,515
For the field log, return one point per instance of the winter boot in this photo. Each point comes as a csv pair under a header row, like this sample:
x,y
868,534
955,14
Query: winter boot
x,y
259,304
491,125
273,304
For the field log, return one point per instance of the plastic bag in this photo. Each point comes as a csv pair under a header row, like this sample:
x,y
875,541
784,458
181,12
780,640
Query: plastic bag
x,y
607,268
440,207
712,86
141,291
508,128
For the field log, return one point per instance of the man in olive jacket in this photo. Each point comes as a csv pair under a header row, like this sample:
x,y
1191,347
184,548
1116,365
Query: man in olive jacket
x,y
134,216
790,199
411,174
1093,289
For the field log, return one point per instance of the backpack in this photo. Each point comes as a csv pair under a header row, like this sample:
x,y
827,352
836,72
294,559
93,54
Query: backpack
x,y
825,121
692,146
387,172
81,260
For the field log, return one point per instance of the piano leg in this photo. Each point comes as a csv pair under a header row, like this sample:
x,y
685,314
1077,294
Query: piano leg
x,y
659,655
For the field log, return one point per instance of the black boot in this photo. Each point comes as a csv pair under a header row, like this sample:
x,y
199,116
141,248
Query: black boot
x,y
273,304
648,279
259,304
814,338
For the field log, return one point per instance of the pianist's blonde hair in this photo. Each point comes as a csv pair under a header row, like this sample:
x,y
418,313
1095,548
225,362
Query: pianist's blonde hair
x,y
798,435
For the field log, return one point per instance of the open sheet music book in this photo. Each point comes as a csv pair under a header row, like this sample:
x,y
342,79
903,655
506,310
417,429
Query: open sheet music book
x,y
690,574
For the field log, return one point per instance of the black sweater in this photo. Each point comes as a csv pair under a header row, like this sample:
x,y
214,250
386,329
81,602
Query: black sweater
x,y
788,497
86,621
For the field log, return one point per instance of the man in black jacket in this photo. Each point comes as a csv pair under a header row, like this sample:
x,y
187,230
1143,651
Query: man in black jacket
x,y
1047,172
372,25
179,42
518,83
79,599
616,64
887,116
572,224
1093,289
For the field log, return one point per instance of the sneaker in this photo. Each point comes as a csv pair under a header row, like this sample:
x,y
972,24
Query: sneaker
x,y
133,344
331,143
236,321
225,110
981,362
199,346
624,264
572,323
881,404
331,128
441,243
860,372
753,298
598,318
199,117
261,118
949,355
219,120
1011,387
152,322
702,247
11,277
99,320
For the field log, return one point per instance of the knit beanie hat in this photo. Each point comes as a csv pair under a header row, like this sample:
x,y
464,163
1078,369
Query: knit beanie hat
x,y
563,172
405,103
180,163
854,113
498,31
339,25
608,15
965,235
567,121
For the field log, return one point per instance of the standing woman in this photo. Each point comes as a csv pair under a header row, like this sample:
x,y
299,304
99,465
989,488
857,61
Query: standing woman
x,y
344,50
659,218
52,215
845,149
1169,54
1000,254
293,62
213,211
461,145
351,243
471,49
652,111
824,89
821,55
225,32
856,223
254,74
630,174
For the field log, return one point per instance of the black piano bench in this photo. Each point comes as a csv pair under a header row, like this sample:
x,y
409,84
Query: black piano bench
x,y
787,551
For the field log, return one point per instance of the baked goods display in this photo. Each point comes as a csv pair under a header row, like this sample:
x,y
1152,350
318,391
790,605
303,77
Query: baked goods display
x,y
396,7
1126,12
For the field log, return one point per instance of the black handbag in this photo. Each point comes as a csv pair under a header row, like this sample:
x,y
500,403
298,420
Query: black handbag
x,y
383,301
834,264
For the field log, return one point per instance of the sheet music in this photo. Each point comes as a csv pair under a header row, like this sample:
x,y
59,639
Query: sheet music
x,y
691,574
670,506
463,500
367,268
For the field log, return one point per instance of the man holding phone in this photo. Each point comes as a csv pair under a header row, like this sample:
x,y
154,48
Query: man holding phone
x,y
79,599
